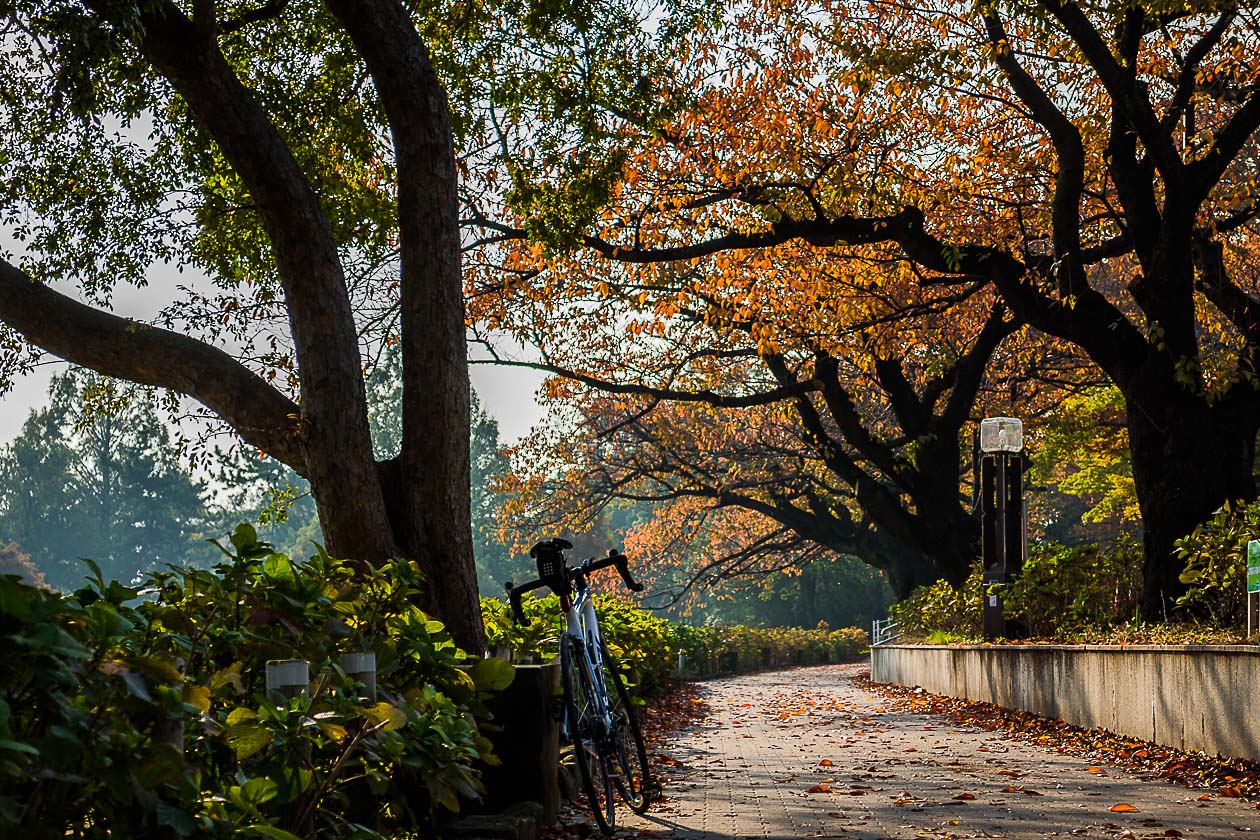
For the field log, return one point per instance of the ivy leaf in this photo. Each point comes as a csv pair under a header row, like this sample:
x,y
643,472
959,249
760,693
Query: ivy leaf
x,y
493,674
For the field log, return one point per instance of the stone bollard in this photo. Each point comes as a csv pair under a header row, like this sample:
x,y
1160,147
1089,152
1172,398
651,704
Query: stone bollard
x,y
288,678
361,667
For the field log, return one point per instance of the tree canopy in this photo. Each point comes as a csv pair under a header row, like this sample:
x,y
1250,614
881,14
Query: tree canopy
x,y
306,157
865,185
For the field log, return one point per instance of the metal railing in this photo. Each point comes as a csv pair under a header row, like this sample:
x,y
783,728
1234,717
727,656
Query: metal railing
x,y
884,630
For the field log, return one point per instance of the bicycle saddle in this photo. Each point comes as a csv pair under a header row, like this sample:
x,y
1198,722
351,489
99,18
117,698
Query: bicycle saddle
x,y
547,546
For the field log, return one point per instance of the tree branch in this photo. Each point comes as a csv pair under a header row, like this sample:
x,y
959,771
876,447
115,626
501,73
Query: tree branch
x,y
1127,95
137,352
706,397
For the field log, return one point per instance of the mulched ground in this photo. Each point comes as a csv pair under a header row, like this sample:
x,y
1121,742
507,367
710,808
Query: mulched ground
x,y
1215,776
677,707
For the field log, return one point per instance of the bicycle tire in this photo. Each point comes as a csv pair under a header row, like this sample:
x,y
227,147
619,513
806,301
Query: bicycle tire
x,y
591,750
634,777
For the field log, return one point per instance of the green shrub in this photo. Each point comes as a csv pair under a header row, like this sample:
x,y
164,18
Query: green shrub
x,y
126,711
651,645
939,608
1065,589
1215,556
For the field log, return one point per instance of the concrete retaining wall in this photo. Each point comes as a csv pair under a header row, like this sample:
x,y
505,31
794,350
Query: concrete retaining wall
x,y
1198,697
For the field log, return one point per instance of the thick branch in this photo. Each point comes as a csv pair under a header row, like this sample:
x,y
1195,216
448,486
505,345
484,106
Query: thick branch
x,y
706,397
1070,180
1127,95
970,369
140,353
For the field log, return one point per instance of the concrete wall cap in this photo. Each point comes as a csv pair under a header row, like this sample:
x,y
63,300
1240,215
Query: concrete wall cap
x,y
1241,650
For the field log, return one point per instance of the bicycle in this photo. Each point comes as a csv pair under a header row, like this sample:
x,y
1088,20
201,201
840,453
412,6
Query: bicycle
x,y
601,724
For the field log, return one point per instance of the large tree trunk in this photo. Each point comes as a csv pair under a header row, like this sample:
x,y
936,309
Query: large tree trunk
x,y
1189,459
434,469
418,507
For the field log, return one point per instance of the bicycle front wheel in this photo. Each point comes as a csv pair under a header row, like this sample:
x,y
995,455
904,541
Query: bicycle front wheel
x,y
588,731
633,776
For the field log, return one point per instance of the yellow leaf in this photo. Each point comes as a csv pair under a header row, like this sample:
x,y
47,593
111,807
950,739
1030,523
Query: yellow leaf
x,y
383,713
197,696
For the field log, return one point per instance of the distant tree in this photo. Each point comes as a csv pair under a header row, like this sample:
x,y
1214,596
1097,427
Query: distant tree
x,y
1082,474
495,560
95,475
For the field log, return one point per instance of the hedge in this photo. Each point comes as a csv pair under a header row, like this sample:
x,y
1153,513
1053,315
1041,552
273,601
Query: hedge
x,y
651,645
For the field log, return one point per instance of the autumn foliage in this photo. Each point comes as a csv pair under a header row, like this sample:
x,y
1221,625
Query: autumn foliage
x,y
876,222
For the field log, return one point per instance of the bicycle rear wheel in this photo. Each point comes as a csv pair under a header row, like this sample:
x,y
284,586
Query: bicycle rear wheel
x,y
592,751
633,775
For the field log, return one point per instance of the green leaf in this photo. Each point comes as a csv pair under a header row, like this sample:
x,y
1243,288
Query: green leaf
x,y
383,713
277,567
493,674
244,538
231,675
258,791
172,816
240,714
17,746
245,739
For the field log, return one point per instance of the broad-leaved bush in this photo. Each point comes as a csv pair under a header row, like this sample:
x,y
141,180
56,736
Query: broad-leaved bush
x,y
134,712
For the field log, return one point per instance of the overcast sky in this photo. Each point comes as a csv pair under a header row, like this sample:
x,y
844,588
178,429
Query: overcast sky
x,y
507,393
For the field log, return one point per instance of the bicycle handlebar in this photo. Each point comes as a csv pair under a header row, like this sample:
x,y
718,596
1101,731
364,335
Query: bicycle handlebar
x,y
615,559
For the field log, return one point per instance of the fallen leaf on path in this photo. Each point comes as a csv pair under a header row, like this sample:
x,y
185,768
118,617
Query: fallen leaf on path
x,y
1122,808
826,762
964,796
820,789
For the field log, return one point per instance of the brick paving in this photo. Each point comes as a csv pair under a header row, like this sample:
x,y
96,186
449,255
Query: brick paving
x,y
748,770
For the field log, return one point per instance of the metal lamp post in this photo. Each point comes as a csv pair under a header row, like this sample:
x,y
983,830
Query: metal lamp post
x,y
1002,530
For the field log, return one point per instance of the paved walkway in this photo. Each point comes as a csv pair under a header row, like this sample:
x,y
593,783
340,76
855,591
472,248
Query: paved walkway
x,y
757,767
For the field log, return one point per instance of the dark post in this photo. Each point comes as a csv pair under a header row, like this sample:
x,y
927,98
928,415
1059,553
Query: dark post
x,y
1001,509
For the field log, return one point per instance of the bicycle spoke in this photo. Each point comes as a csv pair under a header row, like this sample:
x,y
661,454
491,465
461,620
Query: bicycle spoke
x,y
589,735
632,774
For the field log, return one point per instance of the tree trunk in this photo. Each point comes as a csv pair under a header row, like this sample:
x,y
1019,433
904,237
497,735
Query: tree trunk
x,y
905,570
807,603
434,468
1189,459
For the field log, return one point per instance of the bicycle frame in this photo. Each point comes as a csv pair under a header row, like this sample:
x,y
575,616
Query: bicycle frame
x,y
582,624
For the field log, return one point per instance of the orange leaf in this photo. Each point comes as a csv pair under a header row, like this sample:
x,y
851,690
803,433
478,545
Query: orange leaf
x,y
1122,807
964,796
820,789
826,762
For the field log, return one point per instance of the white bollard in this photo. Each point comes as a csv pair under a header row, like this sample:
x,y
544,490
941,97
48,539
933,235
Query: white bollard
x,y
361,667
288,678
